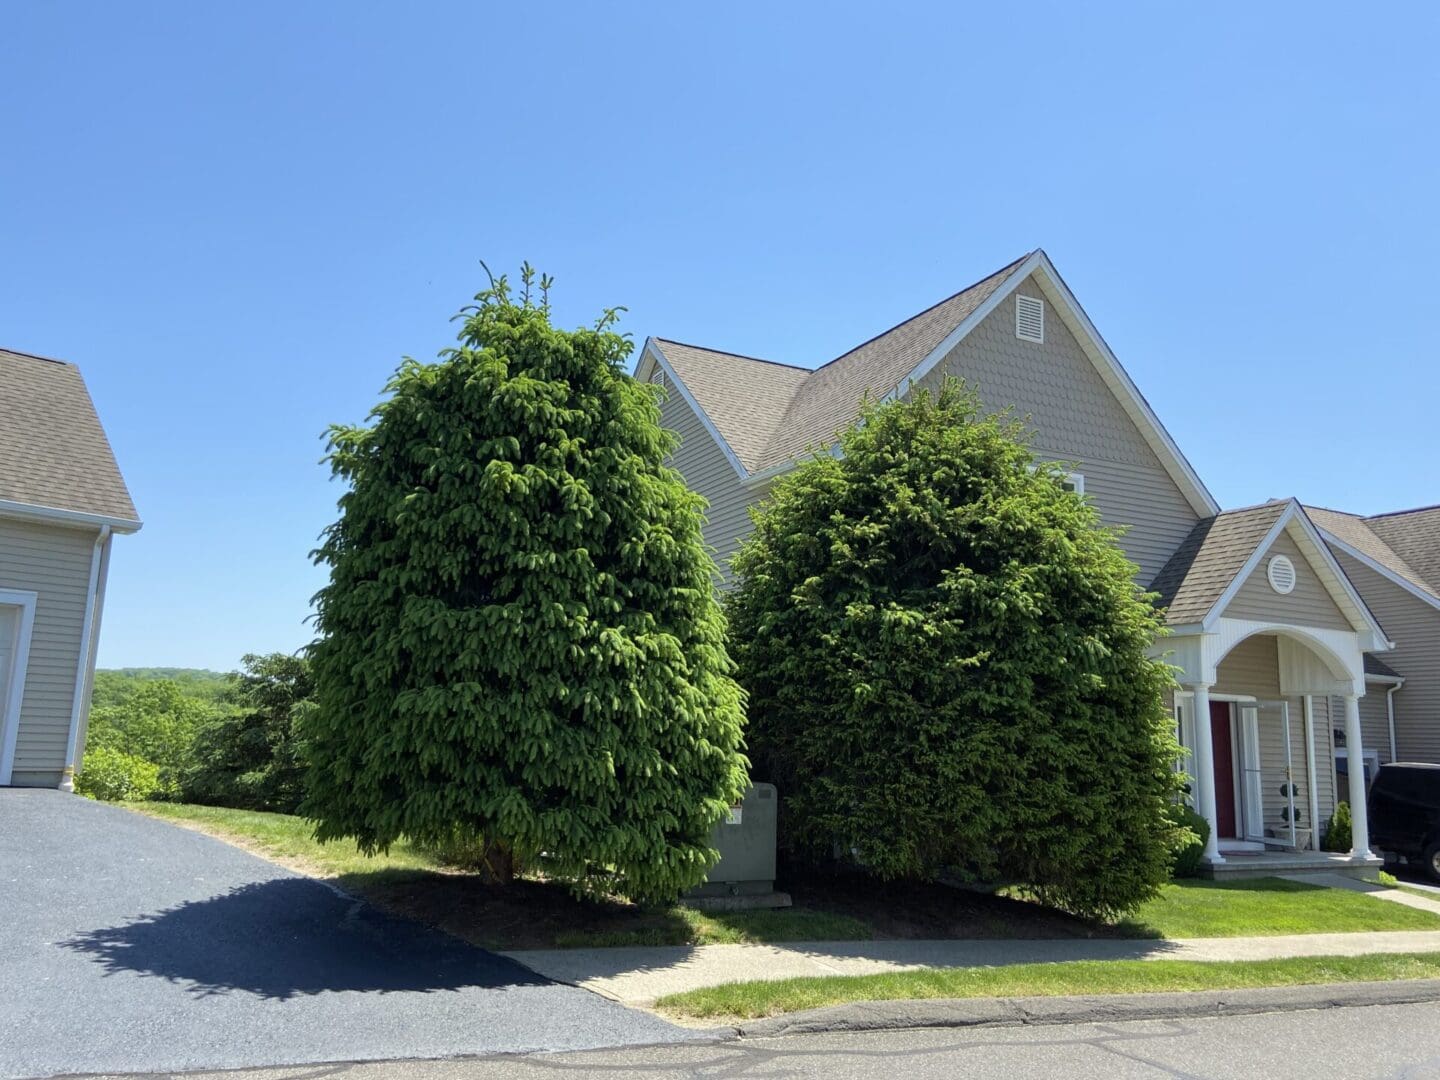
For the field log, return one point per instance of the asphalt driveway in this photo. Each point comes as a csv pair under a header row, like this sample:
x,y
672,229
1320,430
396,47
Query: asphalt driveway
x,y
128,944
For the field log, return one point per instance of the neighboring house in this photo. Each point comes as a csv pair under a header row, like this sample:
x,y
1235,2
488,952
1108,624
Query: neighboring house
x,y
1394,561
61,502
1269,634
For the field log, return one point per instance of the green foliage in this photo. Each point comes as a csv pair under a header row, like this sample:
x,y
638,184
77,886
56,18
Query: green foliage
x,y
1338,835
155,721
114,776
520,637
1187,845
252,757
115,686
947,664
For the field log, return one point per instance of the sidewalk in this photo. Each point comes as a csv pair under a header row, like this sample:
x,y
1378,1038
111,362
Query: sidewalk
x,y
638,976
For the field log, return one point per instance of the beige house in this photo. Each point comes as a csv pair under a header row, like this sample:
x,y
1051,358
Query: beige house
x,y
1270,636
62,500
1394,561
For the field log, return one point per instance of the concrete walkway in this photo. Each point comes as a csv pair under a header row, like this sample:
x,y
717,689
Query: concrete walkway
x,y
638,976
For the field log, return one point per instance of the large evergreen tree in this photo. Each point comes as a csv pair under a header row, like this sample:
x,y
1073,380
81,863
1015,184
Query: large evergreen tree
x,y
948,664
520,637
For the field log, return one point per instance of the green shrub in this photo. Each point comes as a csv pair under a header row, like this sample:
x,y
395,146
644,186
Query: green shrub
x,y
520,637
115,776
948,664
1192,832
157,722
1338,835
252,756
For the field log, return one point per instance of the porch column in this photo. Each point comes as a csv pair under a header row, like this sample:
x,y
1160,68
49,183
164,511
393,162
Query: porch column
x,y
1355,759
1205,769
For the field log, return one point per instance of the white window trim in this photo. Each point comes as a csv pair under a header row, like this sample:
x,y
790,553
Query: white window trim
x,y
19,661
1076,481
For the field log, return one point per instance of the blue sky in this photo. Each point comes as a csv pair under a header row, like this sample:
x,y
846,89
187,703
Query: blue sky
x,y
237,218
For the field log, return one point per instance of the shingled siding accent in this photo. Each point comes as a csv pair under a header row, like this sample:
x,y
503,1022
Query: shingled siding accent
x,y
1309,604
1253,668
55,564
1073,416
1414,627
708,471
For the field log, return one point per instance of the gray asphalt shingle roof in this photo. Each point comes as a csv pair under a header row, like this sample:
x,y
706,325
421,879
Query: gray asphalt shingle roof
x,y
771,413
1407,543
53,451
1205,564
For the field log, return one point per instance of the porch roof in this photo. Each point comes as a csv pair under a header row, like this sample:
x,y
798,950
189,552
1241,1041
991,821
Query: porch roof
x,y
1203,567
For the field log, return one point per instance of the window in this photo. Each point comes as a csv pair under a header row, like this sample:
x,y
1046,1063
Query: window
x,y
1030,319
1342,770
1074,482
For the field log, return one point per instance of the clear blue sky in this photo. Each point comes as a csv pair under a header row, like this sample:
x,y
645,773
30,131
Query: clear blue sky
x,y
237,218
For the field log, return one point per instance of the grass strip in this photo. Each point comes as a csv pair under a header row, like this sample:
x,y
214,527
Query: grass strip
x,y
753,1000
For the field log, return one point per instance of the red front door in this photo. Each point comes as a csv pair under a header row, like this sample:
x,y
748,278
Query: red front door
x,y
1224,768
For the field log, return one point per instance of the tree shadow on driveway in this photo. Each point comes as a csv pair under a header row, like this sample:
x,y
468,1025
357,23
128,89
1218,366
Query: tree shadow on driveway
x,y
292,936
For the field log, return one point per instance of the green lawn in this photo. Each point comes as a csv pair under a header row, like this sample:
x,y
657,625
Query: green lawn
x,y
1267,906
756,999
536,914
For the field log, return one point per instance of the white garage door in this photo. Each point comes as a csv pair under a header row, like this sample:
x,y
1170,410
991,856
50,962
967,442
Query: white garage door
x,y
9,630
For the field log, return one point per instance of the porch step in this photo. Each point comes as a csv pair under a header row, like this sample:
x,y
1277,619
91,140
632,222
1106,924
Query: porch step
x,y
1241,865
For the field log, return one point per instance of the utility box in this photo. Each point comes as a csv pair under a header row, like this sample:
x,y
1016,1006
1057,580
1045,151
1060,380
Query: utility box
x,y
745,875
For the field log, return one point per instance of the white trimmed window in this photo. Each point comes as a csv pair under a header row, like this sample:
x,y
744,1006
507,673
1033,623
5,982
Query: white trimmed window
x,y
1074,482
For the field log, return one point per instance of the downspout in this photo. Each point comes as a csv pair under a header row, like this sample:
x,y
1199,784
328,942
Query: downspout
x,y
1390,717
85,663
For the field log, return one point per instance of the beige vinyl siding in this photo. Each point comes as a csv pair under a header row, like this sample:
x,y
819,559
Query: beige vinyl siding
x,y
708,471
1308,604
1414,627
55,564
1073,416
1375,720
1253,668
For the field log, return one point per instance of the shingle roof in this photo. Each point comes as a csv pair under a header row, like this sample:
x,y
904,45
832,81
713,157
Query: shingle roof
x,y
771,413
1414,535
1405,543
53,451
1203,567
1375,666
744,398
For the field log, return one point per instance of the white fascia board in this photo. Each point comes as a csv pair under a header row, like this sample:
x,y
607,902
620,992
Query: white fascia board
x,y
1341,589
1380,568
657,354
75,518
1390,680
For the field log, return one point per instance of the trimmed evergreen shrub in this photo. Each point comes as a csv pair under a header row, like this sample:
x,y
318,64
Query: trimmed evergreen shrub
x,y
947,663
1338,833
112,775
520,638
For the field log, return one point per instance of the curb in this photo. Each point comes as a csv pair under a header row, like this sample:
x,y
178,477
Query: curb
x,y
1105,1008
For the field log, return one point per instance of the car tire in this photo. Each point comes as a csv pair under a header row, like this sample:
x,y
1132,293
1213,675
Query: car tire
x,y
1430,861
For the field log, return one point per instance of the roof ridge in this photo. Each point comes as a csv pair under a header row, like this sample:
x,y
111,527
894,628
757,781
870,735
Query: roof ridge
x,y
35,356
1399,513
1333,510
1259,506
738,356
925,311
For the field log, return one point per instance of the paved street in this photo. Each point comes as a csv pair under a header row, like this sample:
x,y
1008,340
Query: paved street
x,y
1400,1041
133,945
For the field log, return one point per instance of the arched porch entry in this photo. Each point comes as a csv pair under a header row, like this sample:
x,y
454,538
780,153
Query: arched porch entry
x,y
1257,706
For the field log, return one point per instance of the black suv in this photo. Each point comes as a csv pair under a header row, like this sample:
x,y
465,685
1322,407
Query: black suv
x,y
1405,813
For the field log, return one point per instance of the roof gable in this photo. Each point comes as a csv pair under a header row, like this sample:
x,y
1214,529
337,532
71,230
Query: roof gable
x,y
54,455
1222,553
1414,535
1360,539
820,403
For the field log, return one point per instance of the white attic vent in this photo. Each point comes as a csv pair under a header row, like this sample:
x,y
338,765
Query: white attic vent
x,y
1281,573
1030,318
658,376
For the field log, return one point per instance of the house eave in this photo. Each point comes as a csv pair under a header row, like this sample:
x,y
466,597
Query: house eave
x,y
54,515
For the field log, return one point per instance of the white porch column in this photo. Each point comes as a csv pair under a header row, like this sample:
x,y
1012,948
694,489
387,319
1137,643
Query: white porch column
x,y
1355,759
1205,769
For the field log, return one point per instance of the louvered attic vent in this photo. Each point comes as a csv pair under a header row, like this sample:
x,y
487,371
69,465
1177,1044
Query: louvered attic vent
x,y
658,376
1281,572
1030,319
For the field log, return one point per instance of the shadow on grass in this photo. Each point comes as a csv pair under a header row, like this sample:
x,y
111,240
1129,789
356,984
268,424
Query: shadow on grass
x,y
288,937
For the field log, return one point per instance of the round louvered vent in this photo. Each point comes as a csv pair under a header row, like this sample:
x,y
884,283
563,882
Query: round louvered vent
x,y
1281,572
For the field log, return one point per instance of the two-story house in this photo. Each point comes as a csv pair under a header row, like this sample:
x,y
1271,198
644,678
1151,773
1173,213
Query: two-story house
x,y
1267,630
